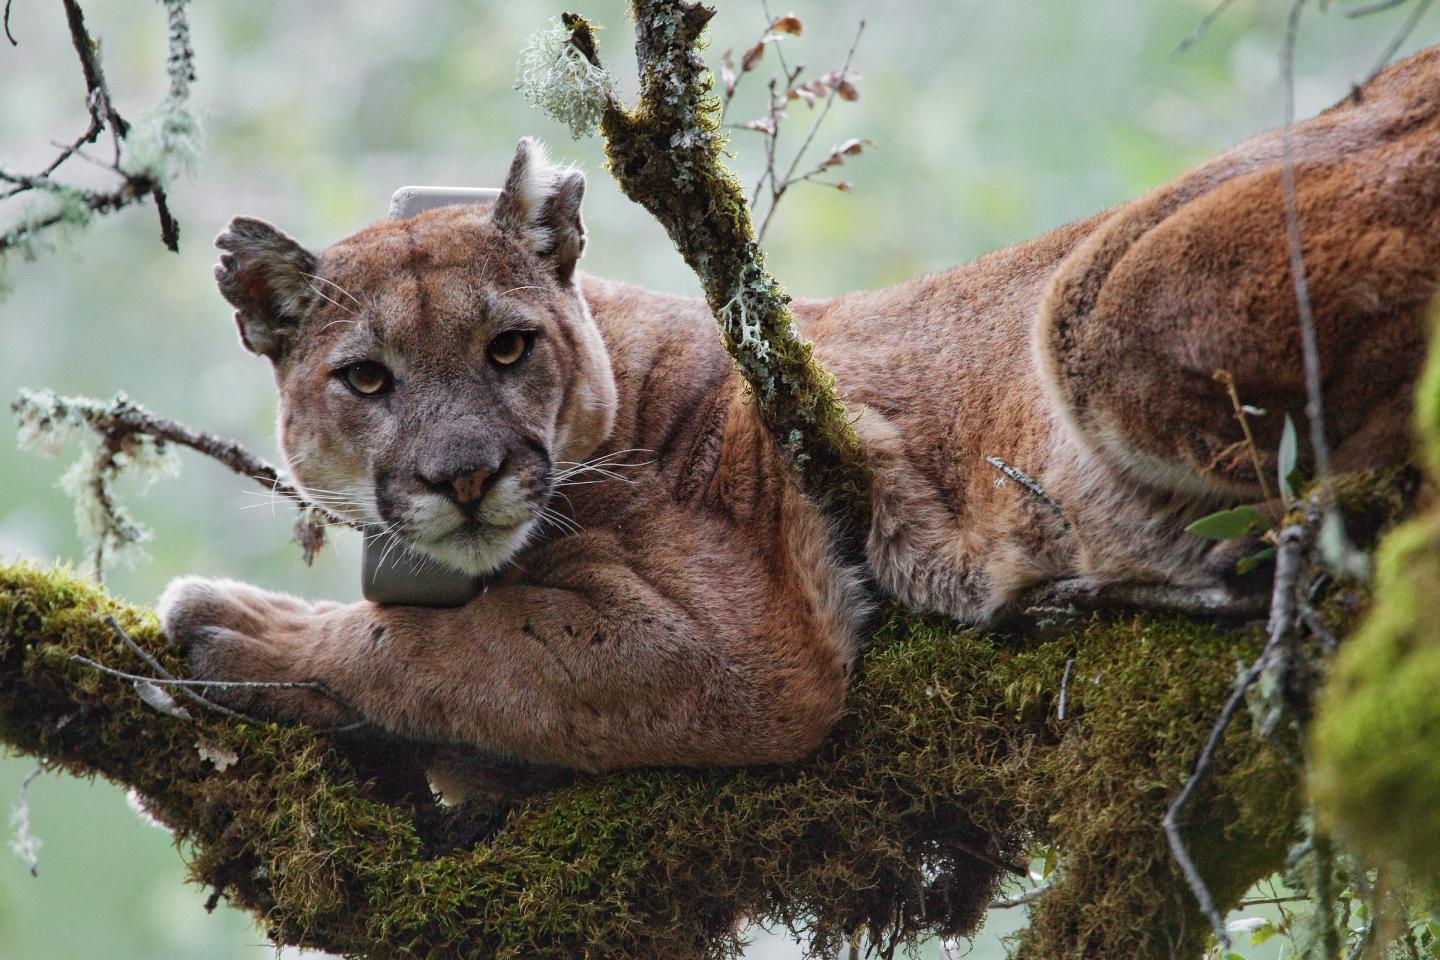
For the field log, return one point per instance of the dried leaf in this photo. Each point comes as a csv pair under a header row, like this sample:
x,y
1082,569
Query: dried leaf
x,y
764,125
844,186
753,56
727,73
788,24
160,700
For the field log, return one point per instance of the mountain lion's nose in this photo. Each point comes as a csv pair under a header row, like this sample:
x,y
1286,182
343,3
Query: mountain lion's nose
x,y
465,486
471,486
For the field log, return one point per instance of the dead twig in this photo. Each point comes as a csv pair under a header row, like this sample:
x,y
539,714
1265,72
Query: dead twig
x,y
1224,378
777,189
137,183
1398,40
122,425
1201,28
1289,547
1030,484
159,668
310,686
1020,899
1064,689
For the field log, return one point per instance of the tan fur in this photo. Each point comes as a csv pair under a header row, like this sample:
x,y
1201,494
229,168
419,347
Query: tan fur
x,y
699,615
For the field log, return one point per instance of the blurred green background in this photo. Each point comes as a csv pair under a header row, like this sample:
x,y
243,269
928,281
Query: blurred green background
x,y
994,122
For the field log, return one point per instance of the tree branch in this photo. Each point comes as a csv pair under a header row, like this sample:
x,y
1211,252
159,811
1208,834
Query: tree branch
x,y
667,154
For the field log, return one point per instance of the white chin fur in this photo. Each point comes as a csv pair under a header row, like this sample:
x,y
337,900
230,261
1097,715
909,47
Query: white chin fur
x,y
476,553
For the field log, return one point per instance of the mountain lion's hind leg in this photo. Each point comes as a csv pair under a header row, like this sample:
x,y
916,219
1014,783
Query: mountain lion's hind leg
x,y
1196,278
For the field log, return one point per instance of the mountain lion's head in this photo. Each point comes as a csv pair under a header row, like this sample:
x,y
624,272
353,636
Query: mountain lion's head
x,y
433,371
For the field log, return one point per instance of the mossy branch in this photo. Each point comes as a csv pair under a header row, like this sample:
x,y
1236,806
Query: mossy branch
x,y
667,152
950,766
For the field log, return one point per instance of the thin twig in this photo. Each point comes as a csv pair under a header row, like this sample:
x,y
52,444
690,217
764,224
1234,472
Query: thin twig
x,y
121,419
1030,484
1201,28
1310,350
785,182
1398,40
311,686
1022,898
134,187
159,668
1269,901
1289,546
1309,345
8,35
1379,7
1224,378
1064,688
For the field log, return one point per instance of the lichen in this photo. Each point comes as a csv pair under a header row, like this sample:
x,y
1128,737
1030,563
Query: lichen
x,y
555,77
48,421
951,762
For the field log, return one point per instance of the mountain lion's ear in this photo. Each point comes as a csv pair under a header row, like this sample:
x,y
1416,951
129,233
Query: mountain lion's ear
x,y
267,277
540,206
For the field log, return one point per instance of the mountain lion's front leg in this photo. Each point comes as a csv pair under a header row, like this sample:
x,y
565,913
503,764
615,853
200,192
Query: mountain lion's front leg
x,y
601,662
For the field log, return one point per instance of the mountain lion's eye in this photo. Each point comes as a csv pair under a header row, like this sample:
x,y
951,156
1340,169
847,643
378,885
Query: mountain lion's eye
x,y
367,378
510,347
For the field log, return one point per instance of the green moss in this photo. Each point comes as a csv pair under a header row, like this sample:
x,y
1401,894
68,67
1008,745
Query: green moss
x,y
951,763
1375,774
1376,771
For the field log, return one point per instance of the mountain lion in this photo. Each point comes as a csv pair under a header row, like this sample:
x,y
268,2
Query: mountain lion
x,y
660,590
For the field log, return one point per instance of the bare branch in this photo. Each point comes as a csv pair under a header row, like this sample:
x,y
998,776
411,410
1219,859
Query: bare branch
x,y
1030,484
1201,28
136,184
785,182
1289,546
164,674
1398,40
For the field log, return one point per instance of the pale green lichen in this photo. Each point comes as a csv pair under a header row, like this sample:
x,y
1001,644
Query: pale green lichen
x,y
48,421
166,142
558,79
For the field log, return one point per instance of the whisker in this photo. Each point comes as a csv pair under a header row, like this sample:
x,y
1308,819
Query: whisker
x,y
342,290
516,289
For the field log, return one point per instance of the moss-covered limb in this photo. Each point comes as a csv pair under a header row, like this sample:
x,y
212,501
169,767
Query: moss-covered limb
x,y
668,155
950,765
1375,743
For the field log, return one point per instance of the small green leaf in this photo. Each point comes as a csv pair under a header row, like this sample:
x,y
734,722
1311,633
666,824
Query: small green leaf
x,y
1260,934
1254,561
1052,860
1289,453
1228,524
